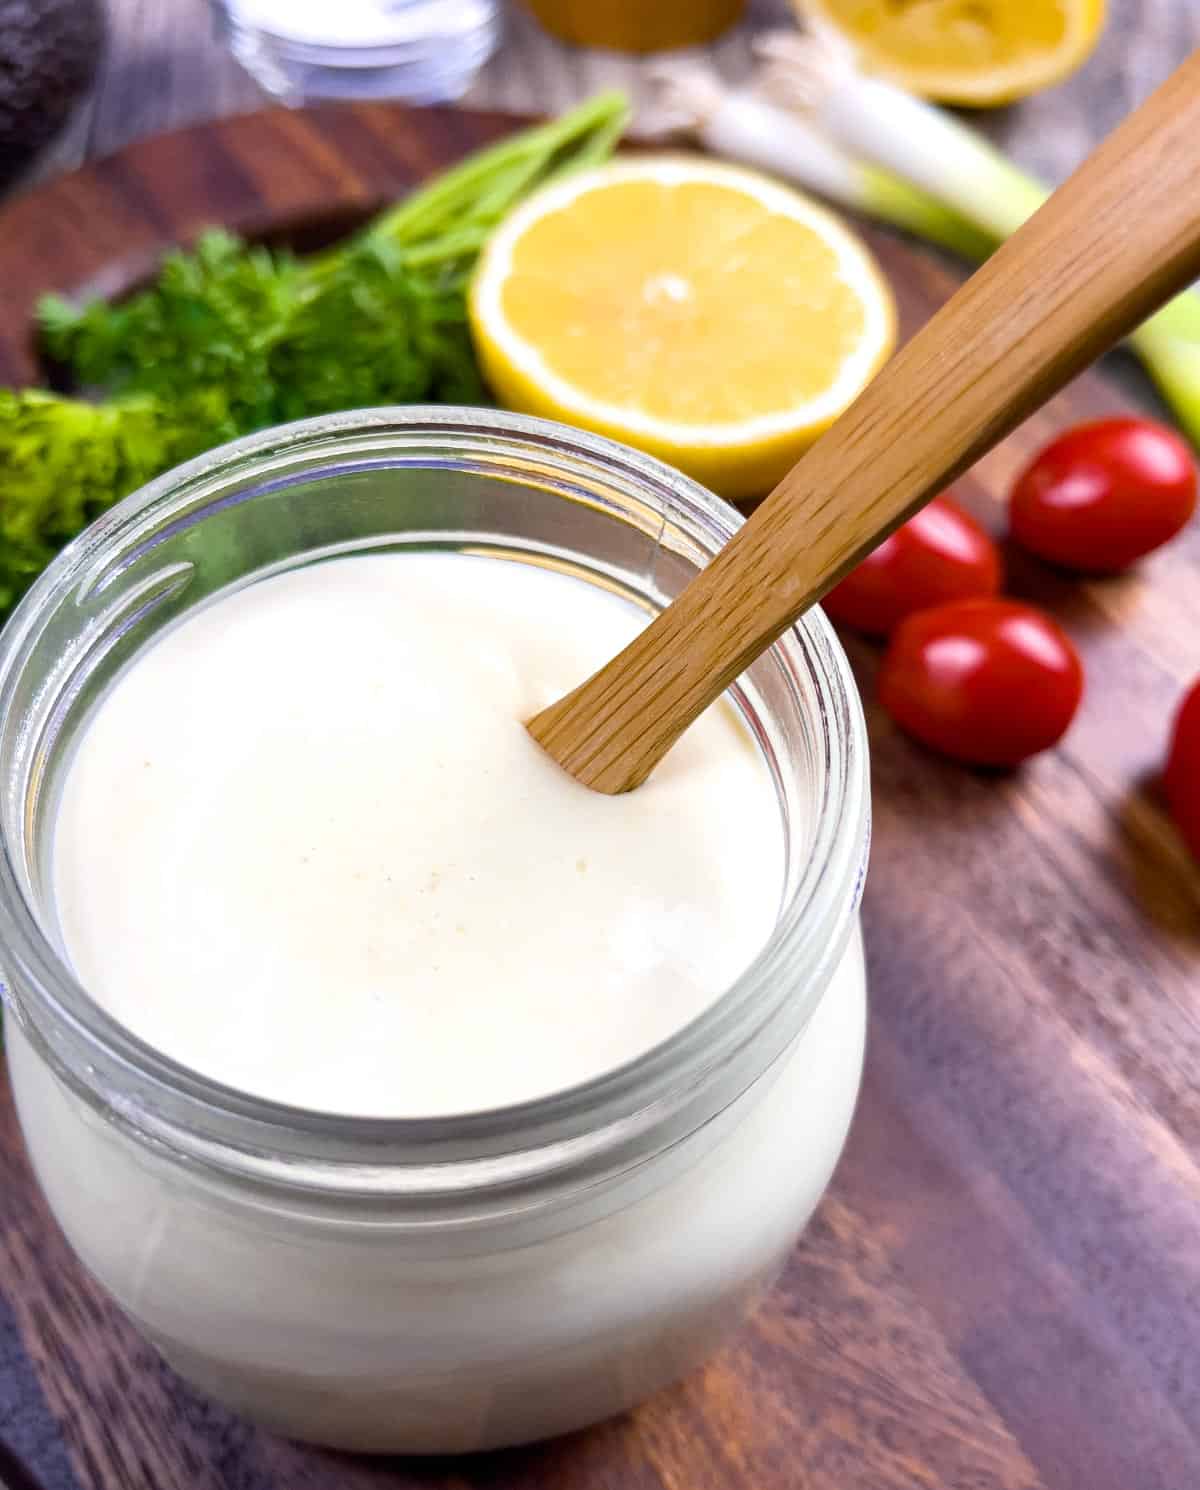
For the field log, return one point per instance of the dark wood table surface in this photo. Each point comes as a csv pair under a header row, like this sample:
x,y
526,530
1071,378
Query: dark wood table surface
x,y
167,67
1002,1291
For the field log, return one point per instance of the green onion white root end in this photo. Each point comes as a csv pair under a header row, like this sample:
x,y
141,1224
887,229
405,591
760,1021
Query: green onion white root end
x,y
816,76
741,124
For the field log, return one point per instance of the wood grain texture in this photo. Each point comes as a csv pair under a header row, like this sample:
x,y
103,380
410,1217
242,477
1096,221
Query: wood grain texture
x,y
1001,1290
1064,288
167,67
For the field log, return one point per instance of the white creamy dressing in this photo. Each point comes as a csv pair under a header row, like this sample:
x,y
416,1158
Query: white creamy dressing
x,y
307,848
360,23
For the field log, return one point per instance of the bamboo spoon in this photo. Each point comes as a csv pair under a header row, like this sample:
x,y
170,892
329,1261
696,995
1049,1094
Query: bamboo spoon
x,y
1120,238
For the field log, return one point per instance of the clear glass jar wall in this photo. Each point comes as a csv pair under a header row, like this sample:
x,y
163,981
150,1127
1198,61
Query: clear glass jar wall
x,y
449,1284
423,51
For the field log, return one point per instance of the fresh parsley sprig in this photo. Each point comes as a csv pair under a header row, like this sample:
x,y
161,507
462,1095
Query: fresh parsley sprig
x,y
231,338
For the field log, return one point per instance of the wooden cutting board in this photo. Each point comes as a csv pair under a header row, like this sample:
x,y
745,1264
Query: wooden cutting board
x,y
1002,1289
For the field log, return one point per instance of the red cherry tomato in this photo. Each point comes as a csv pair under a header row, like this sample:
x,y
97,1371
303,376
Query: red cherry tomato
x,y
986,681
1104,494
1182,779
939,555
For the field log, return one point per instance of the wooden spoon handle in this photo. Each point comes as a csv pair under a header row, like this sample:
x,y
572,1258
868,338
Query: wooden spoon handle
x,y
1105,251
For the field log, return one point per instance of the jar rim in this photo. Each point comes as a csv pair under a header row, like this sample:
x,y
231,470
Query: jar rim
x,y
584,1129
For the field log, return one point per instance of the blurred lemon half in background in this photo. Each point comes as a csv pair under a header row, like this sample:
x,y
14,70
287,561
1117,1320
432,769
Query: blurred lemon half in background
x,y
974,52
697,311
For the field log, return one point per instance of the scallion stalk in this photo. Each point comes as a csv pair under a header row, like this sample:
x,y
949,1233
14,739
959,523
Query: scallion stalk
x,y
741,125
816,75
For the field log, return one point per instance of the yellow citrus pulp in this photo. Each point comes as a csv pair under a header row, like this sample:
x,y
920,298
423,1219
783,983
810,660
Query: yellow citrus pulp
x,y
700,312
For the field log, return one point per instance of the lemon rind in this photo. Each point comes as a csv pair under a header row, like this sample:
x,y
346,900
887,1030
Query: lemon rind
x,y
856,268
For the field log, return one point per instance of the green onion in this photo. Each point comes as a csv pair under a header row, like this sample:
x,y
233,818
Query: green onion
x,y
421,228
816,75
741,125
232,337
1169,346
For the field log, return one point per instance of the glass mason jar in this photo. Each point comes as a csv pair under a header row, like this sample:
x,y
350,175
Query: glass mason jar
x,y
427,1285
423,51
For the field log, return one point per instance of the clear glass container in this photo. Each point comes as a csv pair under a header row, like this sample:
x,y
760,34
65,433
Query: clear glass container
x,y
427,1285
422,51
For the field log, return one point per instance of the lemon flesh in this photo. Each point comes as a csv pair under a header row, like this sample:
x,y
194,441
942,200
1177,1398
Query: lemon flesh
x,y
973,52
699,312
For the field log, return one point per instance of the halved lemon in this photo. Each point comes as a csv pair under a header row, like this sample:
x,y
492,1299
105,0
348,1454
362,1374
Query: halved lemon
x,y
697,311
974,52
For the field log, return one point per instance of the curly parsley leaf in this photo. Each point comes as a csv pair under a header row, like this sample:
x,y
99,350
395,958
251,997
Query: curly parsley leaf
x,y
231,338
